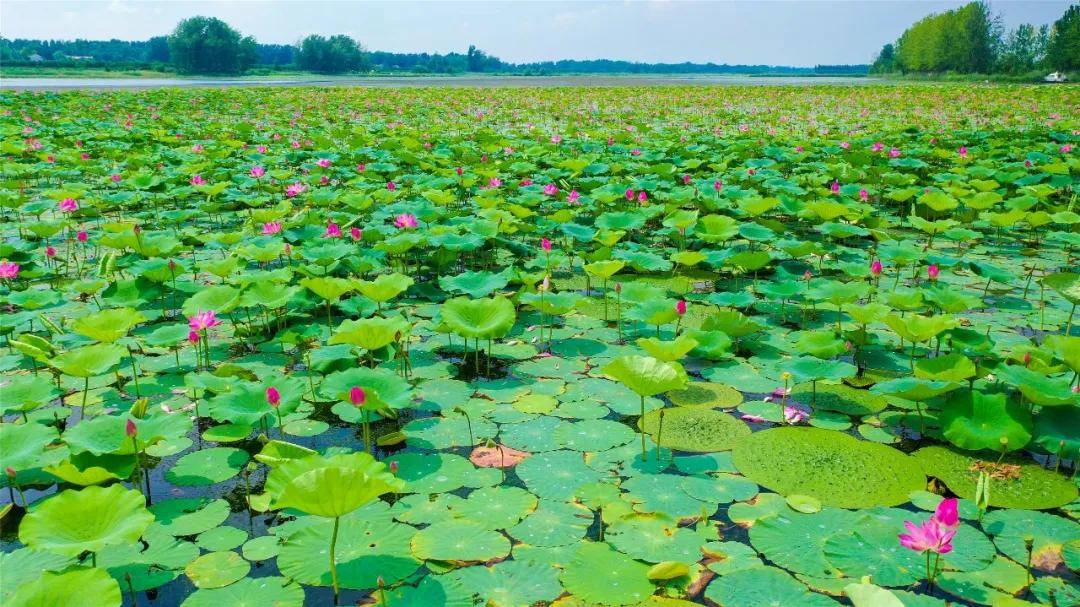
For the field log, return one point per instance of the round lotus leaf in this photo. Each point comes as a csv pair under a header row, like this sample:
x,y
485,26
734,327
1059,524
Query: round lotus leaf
x,y
696,429
447,432
721,488
1011,529
662,494
593,435
797,541
189,515
708,394
598,574
431,590
556,474
73,587
496,507
25,565
763,587
1020,484
833,467
261,548
763,506
226,433
991,585
1057,430
580,409
26,392
511,582
645,375
654,539
552,366
804,504
536,403
221,538
534,435
249,592
705,463
367,547
73,522
830,420
207,467
441,472
217,569
1050,590
23,446
553,523
461,541
840,398
159,563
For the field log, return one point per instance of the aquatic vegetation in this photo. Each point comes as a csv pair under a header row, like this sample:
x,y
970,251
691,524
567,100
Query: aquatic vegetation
x,y
571,347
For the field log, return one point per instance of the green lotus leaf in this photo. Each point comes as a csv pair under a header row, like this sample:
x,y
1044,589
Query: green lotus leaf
x,y
797,541
1066,348
369,333
511,582
554,304
459,541
1037,387
732,322
328,288
72,587
1057,430
475,284
207,466
820,344
712,345
808,368
668,351
329,486
24,446
954,367
694,429
645,375
1031,487
108,325
89,361
868,595
604,269
916,328
915,389
1067,284
973,420
831,466
763,586
1011,531
249,592
217,569
600,575
840,398
89,519
245,403
105,434
222,299
384,388
24,565
383,288
706,394
479,318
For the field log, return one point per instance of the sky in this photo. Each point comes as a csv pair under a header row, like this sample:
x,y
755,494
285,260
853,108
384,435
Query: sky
x,y
775,32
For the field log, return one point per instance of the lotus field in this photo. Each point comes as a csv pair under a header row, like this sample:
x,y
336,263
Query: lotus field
x,y
657,347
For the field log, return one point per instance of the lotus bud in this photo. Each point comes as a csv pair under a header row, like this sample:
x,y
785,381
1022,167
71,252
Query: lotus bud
x,y
642,197
357,396
137,229
459,171
785,376
394,467
546,284
380,582
82,236
835,187
50,251
933,271
490,444
717,185
130,430
355,233
545,244
680,307
875,268
807,275
618,287
10,472
138,409
273,397
630,194
1027,358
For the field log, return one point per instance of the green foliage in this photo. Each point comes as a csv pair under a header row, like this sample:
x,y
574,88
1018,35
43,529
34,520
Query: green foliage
x,y
208,45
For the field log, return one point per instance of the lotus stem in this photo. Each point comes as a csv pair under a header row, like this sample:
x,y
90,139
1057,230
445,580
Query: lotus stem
x,y
280,425
134,372
659,435
1068,325
644,455
333,560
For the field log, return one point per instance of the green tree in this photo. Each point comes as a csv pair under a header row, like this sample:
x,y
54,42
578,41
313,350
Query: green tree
x,y
886,60
1024,47
332,55
963,40
158,49
207,45
1063,48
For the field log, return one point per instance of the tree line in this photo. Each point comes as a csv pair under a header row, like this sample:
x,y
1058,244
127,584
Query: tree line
x,y
207,45
972,40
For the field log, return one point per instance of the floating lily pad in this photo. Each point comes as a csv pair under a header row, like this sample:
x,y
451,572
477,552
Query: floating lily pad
x,y
831,466
249,592
459,541
840,398
598,574
72,587
696,429
763,586
207,467
708,394
1031,487
217,569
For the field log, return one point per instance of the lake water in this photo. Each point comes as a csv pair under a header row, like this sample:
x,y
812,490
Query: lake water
x,y
55,84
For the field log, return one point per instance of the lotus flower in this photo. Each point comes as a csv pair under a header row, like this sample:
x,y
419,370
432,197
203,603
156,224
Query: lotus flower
x,y
894,153
947,515
875,268
193,337
115,177
332,230
1065,149
390,185
630,194
835,187
203,320
357,396
933,271
642,197
545,244
323,162
273,397
877,147
405,221
82,236
864,195
197,179
573,197
50,251
68,205
845,145
294,189
680,307
129,429
9,270
551,189
271,227
360,168
686,179
494,182
962,151
717,185
257,172
355,233
931,536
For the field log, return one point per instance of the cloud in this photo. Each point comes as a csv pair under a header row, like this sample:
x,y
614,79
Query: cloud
x,y
121,7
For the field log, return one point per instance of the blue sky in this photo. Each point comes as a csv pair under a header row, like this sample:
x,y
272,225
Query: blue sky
x,y
791,32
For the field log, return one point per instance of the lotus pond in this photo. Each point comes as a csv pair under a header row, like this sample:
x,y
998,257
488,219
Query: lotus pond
x,y
625,346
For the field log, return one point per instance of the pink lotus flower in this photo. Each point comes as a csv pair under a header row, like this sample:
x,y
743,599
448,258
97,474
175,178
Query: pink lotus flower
x,y
129,428
390,185
630,194
573,197
635,152
545,244
751,172
525,182
642,197
460,171
933,271
845,145
115,177
82,236
894,153
686,179
864,195
271,227
261,149
717,185
9,270
405,221
1065,149
355,233
877,147
680,307
947,514
203,320
273,397
556,139
193,337
962,151
197,179
875,268
360,168
257,172
324,163
835,187
357,396
197,148
50,251
551,189
754,419
332,230
807,275
494,182
795,415
294,189
68,205
931,536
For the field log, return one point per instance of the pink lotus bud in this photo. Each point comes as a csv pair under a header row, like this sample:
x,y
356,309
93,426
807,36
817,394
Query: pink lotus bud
x,y
82,236
962,151
130,429
394,467
630,194
680,307
546,284
273,397
545,244
686,179
875,268
933,271
642,197
717,185
257,172
835,187
50,251
10,472
355,233
193,337
1027,358
115,177
618,287
864,195
459,171
807,275
390,185
357,396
